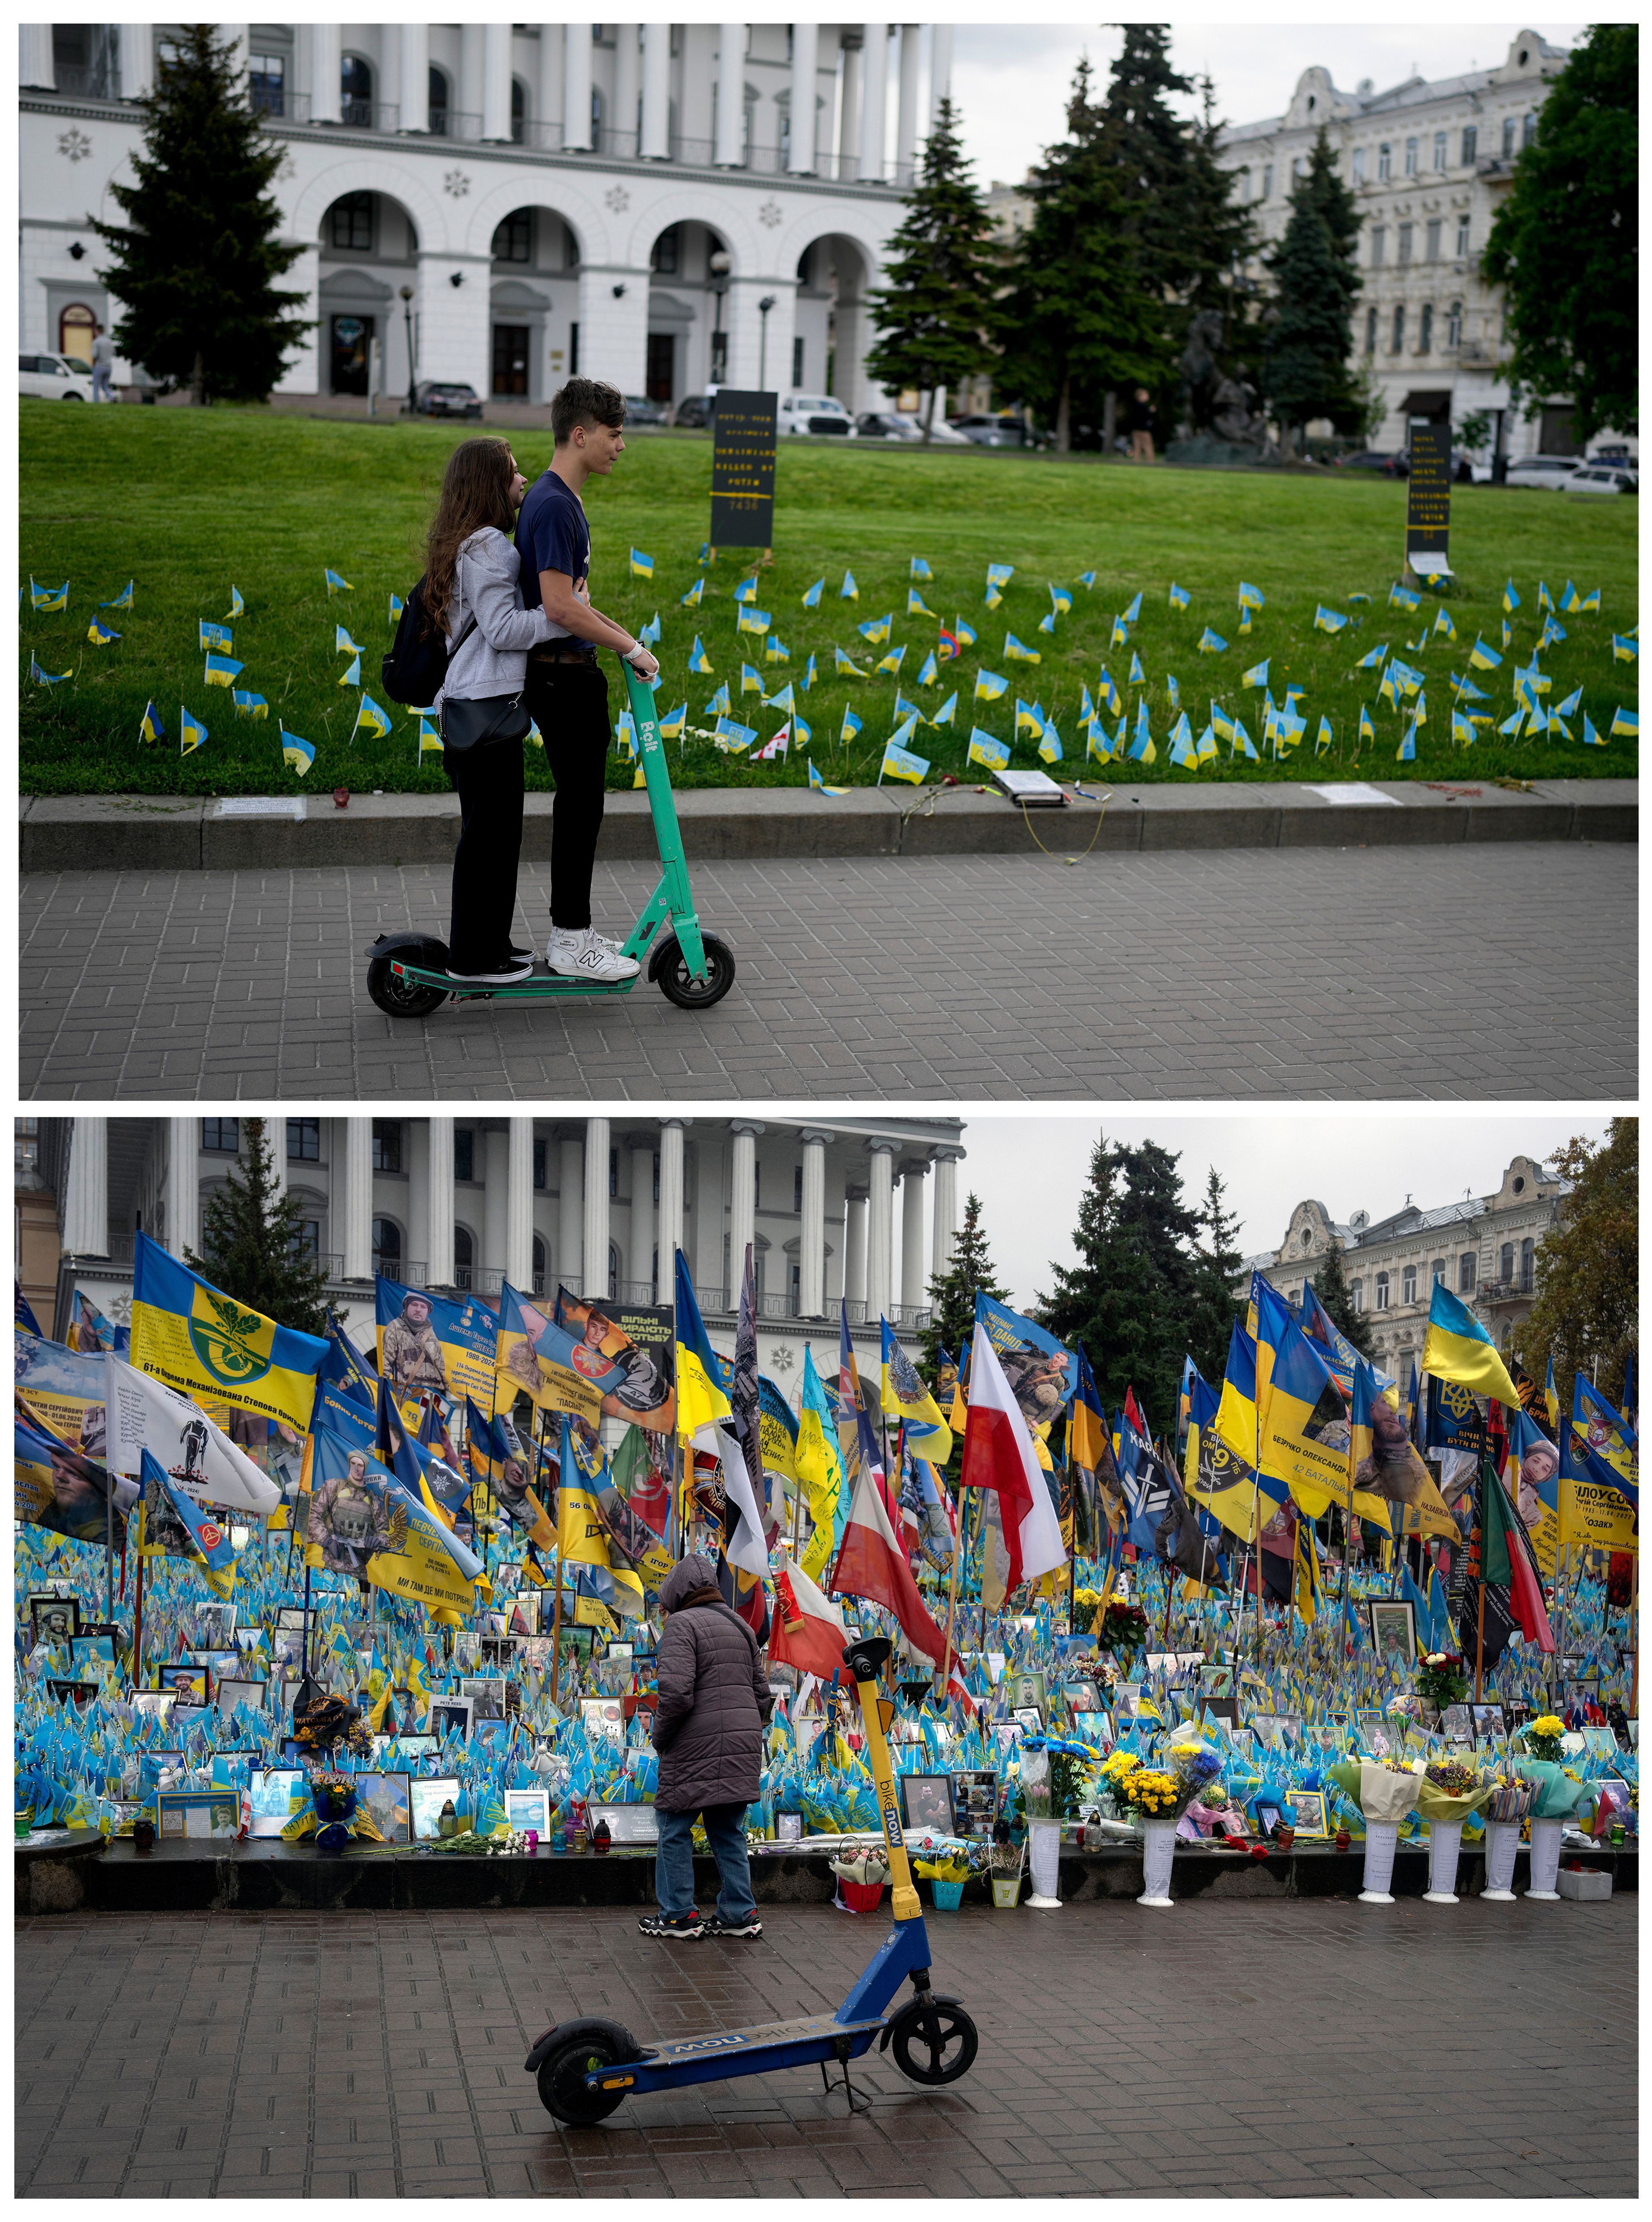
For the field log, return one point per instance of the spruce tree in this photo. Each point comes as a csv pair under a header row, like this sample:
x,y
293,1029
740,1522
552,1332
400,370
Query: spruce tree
x,y
1080,318
1331,1287
1305,370
951,1318
251,1239
195,268
1216,1273
932,317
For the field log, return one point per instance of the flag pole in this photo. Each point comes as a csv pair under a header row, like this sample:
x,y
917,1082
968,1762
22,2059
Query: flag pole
x,y
959,1546
1480,1561
556,1623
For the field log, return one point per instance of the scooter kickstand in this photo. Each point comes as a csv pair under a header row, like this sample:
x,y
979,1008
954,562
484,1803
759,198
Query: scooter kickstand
x,y
858,2101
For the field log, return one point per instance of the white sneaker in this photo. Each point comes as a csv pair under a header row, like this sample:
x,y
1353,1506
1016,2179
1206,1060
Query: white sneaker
x,y
587,955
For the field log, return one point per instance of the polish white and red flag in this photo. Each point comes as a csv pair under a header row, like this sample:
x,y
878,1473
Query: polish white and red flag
x,y
998,1453
872,1563
807,1630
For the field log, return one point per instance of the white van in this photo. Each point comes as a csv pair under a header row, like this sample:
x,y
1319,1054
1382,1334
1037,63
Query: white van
x,y
814,412
53,378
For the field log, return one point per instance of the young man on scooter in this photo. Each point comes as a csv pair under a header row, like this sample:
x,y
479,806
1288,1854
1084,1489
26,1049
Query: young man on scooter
x,y
568,693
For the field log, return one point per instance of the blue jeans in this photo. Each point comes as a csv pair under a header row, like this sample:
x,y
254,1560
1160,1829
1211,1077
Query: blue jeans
x,y
674,1862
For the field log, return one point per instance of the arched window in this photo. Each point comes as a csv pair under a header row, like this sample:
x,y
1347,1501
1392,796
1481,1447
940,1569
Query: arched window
x,y
1505,1263
539,1265
1527,1266
355,89
1357,1292
351,217
1384,162
387,1248
1425,334
441,100
1407,1285
1399,328
518,111
1382,1292
463,1257
1528,128
1437,1271
77,328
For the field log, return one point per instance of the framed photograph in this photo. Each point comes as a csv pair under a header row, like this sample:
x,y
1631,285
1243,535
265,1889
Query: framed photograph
x,y
1029,1718
1093,1729
434,1807
215,1626
486,1692
73,1694
57,1619
1081,1697
184,1717
627,1824
388,1798
1307,1808
975,1803
196,1816
286,1653
1225,1710
788,1828
1027,1692
1393,1630
156,1703
231,1693
1457,1724
190,1683
603,1717
290,1617
1006,1735
498,1654
1272,1729
1217,1681
1126,1703
92,1651
450,1717
405,1747
1269,1816
1601,1742
1161,1662
1489,1727
927,1802
622,1651
524,1614
530,1809
467,1651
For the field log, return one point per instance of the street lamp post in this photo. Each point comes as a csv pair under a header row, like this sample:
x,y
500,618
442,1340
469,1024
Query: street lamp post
x,y
407,314
763,307
719,265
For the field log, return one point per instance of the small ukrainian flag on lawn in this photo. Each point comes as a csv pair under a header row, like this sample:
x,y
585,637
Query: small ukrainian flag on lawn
x,y
842,667
929,671
369,714
1173,691
191,733
1179,596
642,567
1207,749
891,663
1591,738
852,725
1060,601
774,650
1569,599
818,784
964,632
429,737
752,619
672,724
1096,742
720,705
751,678
849,591
1328,620
1016,651
1626,724
944,715
1257,675
1545,599
99,634
1371,663
733,738
1221,724
353,676
1482,658
1142,750
986,749
49,597
650,636
1120,636
811,599
1242,740
150,727
899,762
123,600
395,611
1181,744
747,589
1050,743
1442,623
342,644
1511,599
919,569
299,754
708,554
877,629
809,674
625,736
1591,601
222,670
1323,738
1107,691
998,577
989,686
785,699
248,705
1087,580
1211,644
1624,650
336,585
1251,598
1402,597
236,605
1046,624
1367,730
698,659
216,635
693,599
1138,676
1564,709
1406,752
1029,719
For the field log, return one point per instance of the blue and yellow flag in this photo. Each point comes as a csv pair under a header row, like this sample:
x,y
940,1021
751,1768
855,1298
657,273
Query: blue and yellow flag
x,y
1307,1574
906,1398
48,598
1386,1468
1600,1447
191,733
336,584
369,714
1456,1347
703,1378
124,600
1218,1477
899,763
818,782
297,755
223,671
989,686
986,750
100,634
1017,651
364,1521
194,1338
1210,643
150,728
248,705
209,1537
819,1471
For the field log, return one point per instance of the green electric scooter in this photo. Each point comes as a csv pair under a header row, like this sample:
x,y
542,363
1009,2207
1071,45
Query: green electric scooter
x,y
408,975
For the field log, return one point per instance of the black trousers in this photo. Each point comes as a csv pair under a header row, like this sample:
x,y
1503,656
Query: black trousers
x,y
489,783
569,704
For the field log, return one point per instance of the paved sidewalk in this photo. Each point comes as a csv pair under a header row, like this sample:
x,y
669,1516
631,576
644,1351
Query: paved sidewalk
x,y
1496,971
1321,2048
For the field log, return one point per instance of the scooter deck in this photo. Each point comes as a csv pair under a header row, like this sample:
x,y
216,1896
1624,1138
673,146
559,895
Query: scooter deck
x,y
738,2052
541,986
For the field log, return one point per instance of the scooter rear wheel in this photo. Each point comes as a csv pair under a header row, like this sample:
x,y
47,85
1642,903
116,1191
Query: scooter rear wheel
x,y
669,968
934,2043
560,2075
401,999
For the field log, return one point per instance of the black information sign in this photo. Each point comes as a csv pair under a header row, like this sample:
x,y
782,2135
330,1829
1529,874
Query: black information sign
x,y
743,470
1427,496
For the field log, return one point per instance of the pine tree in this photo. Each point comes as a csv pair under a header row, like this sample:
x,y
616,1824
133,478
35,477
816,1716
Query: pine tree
x,y
1306,364
196,268
1216,1269
1330,1286
932,318
252,1237
951,1318
1079,318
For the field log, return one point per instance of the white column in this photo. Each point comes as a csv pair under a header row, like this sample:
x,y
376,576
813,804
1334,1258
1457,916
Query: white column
x,y
35,66
518,1239
439,1206
945,1213
241,43
627,85
576,83
595,1283
875,85
548,107
358,1198
415,77
731,103
496,82
806,39
880,1228
912,1232
848,104
85,1203
570,1213
184,1185
326,72
670,1237
473,66
854,1243
811,1258
743,1201
496,1200
275,1143
656,92
641,1212
940,68
906,127
302,372
137,59
418,1195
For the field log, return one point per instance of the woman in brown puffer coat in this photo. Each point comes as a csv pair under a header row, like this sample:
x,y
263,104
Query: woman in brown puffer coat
x,y
714,1700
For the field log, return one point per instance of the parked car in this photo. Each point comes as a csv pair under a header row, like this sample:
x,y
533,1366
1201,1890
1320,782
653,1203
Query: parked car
x,y
1603,478
695,410
895,424
814,412
440,398
639,410
53,378
1548,471
1005,431
1382,459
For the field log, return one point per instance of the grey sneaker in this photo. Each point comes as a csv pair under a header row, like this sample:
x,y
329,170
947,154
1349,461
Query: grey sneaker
x,y
671,1925
586,956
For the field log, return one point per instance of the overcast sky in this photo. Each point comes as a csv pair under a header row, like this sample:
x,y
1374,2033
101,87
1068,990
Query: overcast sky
x,y
1030,1172
1011,85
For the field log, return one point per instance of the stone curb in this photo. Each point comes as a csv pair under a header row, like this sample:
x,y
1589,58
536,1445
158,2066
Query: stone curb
x,y
168,833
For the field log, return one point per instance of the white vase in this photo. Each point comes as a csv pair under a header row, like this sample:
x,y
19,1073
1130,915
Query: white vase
x,y
1545,1858
1445,1842
1381,1836
1158,1851
1502,1842
1044,1858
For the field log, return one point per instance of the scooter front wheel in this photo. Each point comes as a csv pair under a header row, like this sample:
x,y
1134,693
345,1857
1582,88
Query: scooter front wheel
x,y
934,2043
560,2075
398,998
669,968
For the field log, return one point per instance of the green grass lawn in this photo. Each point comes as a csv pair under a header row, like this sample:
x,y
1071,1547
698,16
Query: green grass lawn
x,y
186,504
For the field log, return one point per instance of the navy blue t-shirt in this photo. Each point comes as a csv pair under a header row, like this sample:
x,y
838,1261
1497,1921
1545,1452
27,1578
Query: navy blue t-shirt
x,y
552,535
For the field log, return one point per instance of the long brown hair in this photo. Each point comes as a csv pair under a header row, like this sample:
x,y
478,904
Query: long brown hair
x,y
475,492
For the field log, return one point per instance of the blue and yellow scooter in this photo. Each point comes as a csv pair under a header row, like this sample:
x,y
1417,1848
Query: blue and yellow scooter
x,y
408,975
586,2067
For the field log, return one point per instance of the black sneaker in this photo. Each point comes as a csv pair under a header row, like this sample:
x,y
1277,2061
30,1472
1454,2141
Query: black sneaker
x,y
716,1926
671,1925
505,974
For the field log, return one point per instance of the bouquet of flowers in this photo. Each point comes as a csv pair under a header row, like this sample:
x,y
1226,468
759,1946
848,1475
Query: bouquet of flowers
x,y
1541,1737
1448,1790
1196,1764
1382,1793
1511,1796
1440,1680
1148,1793
1122,1628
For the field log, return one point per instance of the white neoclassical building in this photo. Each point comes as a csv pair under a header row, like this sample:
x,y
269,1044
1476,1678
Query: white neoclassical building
x,y
1483,1248
1429,160
860,1210
665,205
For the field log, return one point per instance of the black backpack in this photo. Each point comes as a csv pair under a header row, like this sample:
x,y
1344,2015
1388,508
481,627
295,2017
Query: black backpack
x,y
416,669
